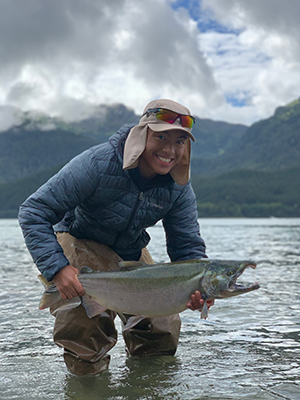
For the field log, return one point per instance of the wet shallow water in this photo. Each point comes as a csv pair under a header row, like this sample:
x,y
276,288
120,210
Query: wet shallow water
x,y
248,348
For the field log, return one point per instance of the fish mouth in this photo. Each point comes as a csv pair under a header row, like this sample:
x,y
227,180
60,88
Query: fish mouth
x,y
235,288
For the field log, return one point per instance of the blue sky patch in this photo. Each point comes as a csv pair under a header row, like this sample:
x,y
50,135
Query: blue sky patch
x,y
235,101
204,18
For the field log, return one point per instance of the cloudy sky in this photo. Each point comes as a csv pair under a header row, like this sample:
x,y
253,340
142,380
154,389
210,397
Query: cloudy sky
x,y
229,60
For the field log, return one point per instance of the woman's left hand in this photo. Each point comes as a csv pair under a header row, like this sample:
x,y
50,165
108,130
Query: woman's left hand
x,y
197,303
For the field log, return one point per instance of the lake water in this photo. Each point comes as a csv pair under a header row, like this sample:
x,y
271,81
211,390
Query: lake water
x,y
248,348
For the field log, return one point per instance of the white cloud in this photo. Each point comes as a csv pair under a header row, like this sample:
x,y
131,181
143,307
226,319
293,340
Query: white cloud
x,y
62,56
260,61
9,116
237,66
101,52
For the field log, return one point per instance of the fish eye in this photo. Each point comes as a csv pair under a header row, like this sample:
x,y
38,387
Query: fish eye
x,y
229,273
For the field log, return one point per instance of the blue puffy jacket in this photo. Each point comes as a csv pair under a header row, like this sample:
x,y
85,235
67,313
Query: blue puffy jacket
x,y
94,198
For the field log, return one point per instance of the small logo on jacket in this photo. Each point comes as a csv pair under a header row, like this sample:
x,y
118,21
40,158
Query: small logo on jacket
x,y
156,205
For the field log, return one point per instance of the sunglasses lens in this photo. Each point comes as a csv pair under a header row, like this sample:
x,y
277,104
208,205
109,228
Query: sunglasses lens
x,y
167,116
187,121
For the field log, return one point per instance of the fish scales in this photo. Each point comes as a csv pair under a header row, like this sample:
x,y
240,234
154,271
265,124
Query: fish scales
x,y
161,290
155,290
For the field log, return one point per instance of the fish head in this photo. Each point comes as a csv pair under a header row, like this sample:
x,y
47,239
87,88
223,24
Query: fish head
x,y
220,279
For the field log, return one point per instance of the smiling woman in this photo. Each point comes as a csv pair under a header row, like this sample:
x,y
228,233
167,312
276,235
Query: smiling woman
x,y
161,141
163,151
101,203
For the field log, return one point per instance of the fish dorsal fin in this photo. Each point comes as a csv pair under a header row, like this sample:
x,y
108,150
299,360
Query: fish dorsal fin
x,y
86,270
192,261
129,265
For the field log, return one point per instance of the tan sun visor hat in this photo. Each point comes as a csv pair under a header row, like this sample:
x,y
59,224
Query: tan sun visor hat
x,y
136,141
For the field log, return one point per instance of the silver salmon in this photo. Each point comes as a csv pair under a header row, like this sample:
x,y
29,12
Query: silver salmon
x,y
154,290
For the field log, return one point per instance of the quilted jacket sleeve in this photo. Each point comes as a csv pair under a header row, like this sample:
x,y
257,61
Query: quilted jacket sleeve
x,y
48,205
182,229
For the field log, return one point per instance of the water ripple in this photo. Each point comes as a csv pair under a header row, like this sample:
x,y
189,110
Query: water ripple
x,y
249,348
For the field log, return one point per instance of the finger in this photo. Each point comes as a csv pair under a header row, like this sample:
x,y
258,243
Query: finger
x,y
75,290
78,288
191,304
199,301
69,292
198,295
196,301
63,295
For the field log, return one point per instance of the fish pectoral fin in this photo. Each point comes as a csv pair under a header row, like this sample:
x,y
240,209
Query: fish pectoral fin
x,y
131,322
128,265
92,308
204,312
63,305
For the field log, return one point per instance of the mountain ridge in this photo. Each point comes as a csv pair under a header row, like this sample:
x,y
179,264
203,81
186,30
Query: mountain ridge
x,y
236,170
38,141
267,145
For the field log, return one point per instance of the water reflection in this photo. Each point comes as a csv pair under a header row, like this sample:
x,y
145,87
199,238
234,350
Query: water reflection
x,y
139,378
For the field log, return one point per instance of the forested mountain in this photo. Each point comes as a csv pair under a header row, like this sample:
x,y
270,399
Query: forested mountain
x,y
267,145
248,193
12,194
214,138
23,153
236,170
39,142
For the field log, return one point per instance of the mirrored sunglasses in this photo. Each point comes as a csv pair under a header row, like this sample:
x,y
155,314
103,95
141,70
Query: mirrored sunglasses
x,y
186,121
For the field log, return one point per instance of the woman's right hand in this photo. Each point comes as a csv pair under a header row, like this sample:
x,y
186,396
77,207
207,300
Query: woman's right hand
x,y
67,283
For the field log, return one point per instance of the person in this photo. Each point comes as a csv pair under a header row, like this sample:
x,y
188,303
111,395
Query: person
x,y
95,212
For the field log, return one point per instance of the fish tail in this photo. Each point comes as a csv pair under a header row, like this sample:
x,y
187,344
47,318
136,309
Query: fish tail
x,y
44,281
49,297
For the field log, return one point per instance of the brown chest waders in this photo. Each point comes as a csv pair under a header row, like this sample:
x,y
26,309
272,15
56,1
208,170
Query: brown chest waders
x,y
86,341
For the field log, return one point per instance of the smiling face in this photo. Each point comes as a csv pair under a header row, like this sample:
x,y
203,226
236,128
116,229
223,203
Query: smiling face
x,y
163,151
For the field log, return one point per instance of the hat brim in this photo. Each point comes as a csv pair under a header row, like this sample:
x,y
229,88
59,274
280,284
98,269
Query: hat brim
x,y
169,127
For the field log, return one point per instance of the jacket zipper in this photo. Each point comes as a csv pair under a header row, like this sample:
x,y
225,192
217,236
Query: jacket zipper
x,y
133,211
